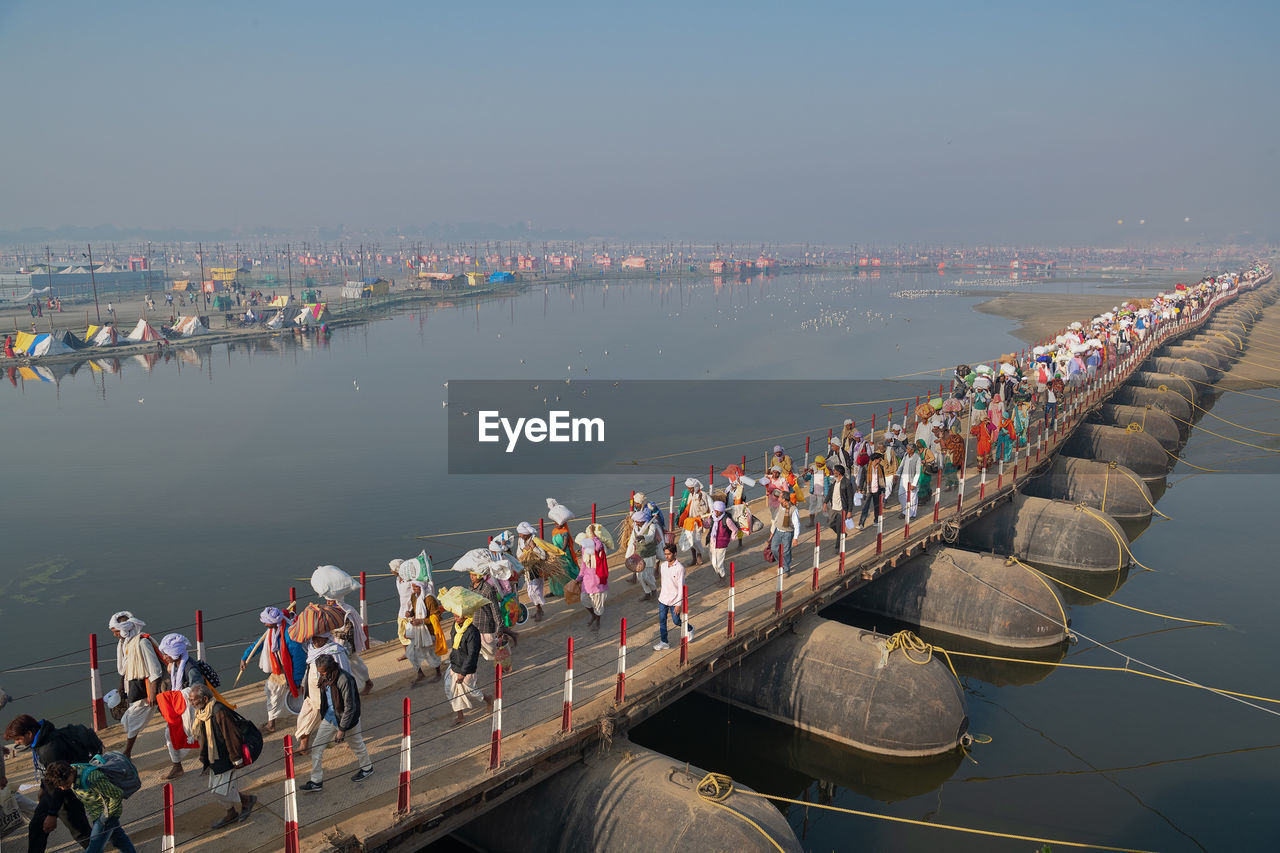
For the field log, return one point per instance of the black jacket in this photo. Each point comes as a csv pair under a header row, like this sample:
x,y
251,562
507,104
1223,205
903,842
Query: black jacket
x,y
846,492
74,744
466,657
346,705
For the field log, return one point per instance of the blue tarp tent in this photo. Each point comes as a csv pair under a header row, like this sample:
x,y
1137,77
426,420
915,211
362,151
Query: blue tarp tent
x,y
501,278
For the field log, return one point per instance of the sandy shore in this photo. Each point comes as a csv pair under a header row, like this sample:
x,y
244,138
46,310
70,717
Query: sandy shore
x,y
1041,315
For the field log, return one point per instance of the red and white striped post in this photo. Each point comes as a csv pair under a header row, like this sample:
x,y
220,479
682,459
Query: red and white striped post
x,y
621,692
806,451
744,463
964,466
880,525
495,738
406,762
906,526
937,487
843,518
671,506
293,600
593,513
566,718
711,479
541,532
817,547
290,799
95,687
733,594
364,610
167,844
684,625
200,635
631,503
777,598
1000,474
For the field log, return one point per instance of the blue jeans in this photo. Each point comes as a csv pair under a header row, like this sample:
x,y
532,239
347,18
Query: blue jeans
x,y
108,827
663,610
781,544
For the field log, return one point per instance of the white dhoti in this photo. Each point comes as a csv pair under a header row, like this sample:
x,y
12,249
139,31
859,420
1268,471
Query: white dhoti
x,y
136,718
178,755
421,648
359,670
224,789
647,581
488,645
534,587
909,507
596,601
309,716
277,690
461,690
689,539
717,560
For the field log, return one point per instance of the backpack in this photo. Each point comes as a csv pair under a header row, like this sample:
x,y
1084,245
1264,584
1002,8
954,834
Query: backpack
x,y
207,672
118,770
249,736
80,740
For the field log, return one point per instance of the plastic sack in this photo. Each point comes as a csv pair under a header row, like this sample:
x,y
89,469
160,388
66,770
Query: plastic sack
x,y
333,582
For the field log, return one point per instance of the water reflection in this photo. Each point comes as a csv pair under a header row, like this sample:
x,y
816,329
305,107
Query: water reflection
x,y
775,758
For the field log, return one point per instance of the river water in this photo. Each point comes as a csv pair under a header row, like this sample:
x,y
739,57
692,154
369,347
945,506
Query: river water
x,y
216,477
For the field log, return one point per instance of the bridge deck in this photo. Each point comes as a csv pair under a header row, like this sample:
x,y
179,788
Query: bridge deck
x,y
451,780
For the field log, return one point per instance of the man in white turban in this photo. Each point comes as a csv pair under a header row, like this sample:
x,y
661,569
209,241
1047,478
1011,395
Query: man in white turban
x,y
283,660
695,506
352,635
530,553
140,673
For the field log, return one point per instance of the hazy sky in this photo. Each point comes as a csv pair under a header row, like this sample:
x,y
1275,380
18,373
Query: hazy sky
x,y
898,121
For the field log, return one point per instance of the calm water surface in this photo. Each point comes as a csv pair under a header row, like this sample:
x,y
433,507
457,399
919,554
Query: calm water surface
x,y
216,477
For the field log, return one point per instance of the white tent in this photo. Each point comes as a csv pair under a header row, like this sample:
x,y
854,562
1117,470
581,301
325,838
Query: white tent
x,y
353,290
144,331
189,327
48,345
276,322
106,337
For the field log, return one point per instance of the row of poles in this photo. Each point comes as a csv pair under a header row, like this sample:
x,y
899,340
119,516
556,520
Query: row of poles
x,y
1093,393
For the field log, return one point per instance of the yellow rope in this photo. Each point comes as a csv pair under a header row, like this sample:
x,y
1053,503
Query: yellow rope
x,y
1121,545
909,644
1101,668
717,787
1227,437
1198,467
869,402
1040,575
1143,490
1106,481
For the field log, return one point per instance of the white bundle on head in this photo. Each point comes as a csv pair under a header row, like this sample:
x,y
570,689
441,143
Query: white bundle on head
x,y
332,582
558,512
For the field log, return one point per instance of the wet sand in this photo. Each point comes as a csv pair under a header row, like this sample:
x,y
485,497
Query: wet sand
x,y
1042,315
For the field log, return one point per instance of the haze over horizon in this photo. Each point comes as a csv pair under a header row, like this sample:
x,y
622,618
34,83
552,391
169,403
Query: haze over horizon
x,y
928,122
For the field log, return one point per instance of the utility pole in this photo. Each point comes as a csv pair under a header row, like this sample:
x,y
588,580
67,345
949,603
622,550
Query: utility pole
x,y
94,281
48,264
288,253
200,289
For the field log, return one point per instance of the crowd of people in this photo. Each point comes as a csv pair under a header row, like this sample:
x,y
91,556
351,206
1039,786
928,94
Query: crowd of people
x,y
322,676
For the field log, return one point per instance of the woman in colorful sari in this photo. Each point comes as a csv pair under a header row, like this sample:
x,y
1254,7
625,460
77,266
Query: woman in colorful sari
x,y
1006,439
562,539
